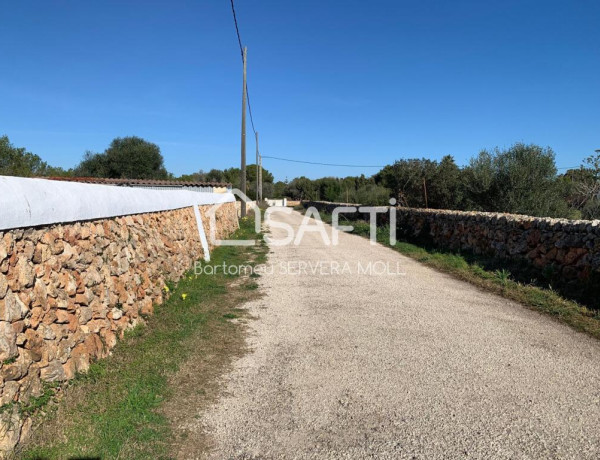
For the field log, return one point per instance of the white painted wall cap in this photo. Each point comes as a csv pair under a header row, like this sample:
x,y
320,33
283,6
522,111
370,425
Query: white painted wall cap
x,y
28,202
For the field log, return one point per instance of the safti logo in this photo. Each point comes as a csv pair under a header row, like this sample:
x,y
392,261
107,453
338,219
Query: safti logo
x,y
311,222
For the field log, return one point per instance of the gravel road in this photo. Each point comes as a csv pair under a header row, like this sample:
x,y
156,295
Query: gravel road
x,y
385,365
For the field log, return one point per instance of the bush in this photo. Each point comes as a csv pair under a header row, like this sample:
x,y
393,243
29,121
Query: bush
x,y
125,158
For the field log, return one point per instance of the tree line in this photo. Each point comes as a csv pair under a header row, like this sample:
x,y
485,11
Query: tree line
x,y
522,179
125,158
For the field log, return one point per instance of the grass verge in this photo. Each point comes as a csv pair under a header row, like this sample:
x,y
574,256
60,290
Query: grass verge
x,y
499,281
115,410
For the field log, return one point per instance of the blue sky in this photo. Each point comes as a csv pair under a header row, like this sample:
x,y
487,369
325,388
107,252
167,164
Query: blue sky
x,y
361,82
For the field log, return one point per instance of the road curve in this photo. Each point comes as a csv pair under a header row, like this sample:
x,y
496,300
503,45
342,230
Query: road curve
x,y
384,365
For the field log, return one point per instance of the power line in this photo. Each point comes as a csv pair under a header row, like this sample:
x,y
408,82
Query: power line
x,y
250,108
237,31
323,164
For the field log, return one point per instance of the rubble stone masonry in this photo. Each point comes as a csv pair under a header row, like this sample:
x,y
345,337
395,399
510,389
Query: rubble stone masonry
x,y
68,292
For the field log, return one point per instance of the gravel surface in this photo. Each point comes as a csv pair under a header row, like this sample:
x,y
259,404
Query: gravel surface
x,y
418,365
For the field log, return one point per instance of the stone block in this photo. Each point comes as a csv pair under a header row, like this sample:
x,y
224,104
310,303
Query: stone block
x,y
54,372
8,342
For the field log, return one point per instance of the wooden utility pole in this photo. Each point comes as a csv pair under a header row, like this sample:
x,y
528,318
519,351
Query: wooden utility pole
x,y
425,192
257,170
260,174
243,173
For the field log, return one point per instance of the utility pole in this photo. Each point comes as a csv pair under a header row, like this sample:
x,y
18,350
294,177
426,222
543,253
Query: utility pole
x,y
257,170
425,191
260,174
243,173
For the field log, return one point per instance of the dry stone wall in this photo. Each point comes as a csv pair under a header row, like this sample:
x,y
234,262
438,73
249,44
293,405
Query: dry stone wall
x,y
69,291
569,249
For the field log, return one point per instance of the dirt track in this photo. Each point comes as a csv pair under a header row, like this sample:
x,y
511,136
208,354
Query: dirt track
x,y
401,366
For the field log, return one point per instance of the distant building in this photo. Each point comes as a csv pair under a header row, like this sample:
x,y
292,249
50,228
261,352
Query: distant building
x,y
206,187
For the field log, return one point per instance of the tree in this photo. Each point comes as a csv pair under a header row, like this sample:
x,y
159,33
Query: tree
x,y
328,188
521,179
267,179
445,187
126,158
215,175
583,187
199,176
17,161
408,179
369,195
251,170
233,175
279,189
478,180
93,165
591,188
301,188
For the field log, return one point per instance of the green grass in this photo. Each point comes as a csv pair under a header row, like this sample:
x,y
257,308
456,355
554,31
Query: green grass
x,y
500,281
112,411
37,403
8,361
